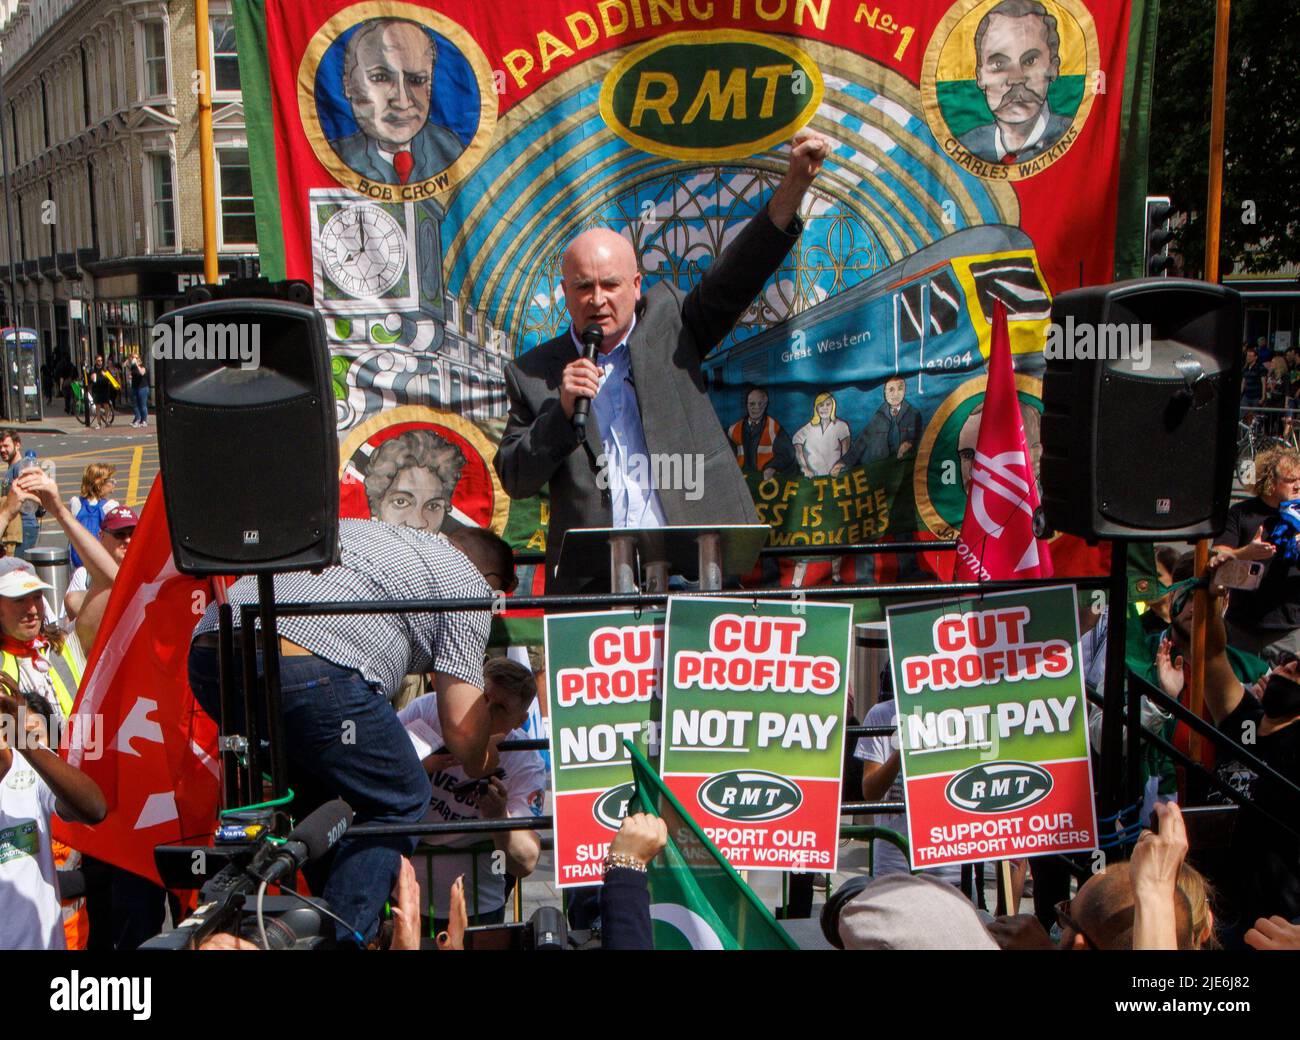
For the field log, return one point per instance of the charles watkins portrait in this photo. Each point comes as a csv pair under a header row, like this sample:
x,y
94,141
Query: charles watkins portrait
x,y
1017,58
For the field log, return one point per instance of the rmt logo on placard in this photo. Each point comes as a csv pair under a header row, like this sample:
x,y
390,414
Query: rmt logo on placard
x,y
995,787
750,794
611,807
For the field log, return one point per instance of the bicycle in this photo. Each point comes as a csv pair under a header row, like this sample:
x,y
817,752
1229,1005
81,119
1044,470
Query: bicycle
x,y
1290,437
1251,440
103,415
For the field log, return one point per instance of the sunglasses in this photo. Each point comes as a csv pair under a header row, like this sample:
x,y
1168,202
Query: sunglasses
x,y
1064,920
123,534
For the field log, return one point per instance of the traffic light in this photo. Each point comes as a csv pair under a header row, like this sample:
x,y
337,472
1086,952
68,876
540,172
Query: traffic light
x,y
1156,235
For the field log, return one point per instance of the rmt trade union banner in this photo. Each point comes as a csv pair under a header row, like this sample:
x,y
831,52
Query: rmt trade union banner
x,y
754,699
992,724
602,686
423,166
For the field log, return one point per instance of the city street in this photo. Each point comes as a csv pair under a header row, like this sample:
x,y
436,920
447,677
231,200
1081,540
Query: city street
x,y
72,447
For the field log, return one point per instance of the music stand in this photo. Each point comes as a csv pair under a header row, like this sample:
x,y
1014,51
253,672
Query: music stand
x,y
715,554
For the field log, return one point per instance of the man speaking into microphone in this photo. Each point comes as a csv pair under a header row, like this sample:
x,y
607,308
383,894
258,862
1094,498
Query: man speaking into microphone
x,y
647,394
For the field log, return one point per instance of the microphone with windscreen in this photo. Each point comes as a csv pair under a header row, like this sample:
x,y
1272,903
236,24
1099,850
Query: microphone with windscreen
x,y
592,337
319,832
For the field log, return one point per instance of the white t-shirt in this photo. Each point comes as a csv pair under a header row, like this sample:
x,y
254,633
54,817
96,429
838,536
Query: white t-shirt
x,y
106,504
889,859
31,917
525,781
822,445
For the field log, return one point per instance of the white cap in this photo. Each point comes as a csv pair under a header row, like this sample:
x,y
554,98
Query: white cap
x,y
18,578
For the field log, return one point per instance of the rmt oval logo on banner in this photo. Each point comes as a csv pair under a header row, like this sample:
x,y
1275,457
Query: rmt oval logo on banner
x,y
611,807
749,794
717,95
996,787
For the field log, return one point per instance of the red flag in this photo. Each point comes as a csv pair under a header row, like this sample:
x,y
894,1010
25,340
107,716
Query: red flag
x,y
156,758
997,540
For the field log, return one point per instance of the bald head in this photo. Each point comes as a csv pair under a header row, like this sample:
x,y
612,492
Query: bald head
x,y
1103,909
601,283
605,242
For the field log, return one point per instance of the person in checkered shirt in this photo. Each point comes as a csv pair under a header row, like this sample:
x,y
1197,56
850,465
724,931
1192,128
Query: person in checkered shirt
x,y
339,673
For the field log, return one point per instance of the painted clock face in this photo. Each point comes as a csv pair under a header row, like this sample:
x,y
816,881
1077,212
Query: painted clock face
x,y
363,250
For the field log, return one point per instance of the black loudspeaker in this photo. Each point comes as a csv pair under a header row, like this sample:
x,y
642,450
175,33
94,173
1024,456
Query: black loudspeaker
x,y
1141,451
246,440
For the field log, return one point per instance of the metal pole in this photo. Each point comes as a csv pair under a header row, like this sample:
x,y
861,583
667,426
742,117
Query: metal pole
x,y
206,178
15,314
1112,722
622,565
226,671
1218,110
271,672
710,546
1213,225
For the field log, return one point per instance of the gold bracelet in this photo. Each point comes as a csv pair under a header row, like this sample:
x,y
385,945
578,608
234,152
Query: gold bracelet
x,y
621,859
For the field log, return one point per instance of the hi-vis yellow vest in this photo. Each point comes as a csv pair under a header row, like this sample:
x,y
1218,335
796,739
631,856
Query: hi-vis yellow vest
x,y
65,672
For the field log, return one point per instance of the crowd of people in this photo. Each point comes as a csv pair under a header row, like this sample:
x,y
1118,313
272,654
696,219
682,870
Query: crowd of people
x,y
1270,379
119,381
1239,886
1241,882
403,716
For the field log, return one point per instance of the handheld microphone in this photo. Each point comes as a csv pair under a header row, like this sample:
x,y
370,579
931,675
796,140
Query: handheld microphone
x,y
310,840
592,337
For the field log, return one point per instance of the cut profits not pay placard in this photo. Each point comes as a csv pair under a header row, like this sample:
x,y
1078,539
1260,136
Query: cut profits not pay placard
x,y
603,672
992,725
754,698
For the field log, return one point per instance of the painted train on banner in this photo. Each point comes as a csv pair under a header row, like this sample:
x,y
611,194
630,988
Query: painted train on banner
x,y
433,160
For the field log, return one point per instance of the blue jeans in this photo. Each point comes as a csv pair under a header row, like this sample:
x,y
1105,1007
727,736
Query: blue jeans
x,y
140,401
31,532
343,741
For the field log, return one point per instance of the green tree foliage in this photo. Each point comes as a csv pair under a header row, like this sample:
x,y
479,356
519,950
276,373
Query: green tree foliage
x,y
1261,196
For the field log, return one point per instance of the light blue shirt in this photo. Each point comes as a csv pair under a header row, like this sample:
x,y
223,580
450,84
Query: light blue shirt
x,y
633,498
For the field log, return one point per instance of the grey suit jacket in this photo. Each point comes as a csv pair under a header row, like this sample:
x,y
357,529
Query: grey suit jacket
x,y
981,143
673,334
433,149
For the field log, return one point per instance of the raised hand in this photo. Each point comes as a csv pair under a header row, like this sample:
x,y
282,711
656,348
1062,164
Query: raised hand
x,y
1154,871
1257,548
808,151
641,836
1274,933
406,908
36,483
457,919
1169,669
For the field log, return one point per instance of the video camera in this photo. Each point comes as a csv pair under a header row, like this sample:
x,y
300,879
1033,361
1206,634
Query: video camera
x,y
545,930
288,922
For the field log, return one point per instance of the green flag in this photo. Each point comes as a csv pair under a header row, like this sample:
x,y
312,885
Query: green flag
x,y
697,901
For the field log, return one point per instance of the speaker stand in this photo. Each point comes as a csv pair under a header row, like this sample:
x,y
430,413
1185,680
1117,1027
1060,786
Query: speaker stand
x,y
271,666
1119,787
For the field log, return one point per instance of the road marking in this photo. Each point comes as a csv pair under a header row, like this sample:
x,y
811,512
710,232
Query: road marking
x,y
133,480
101,452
